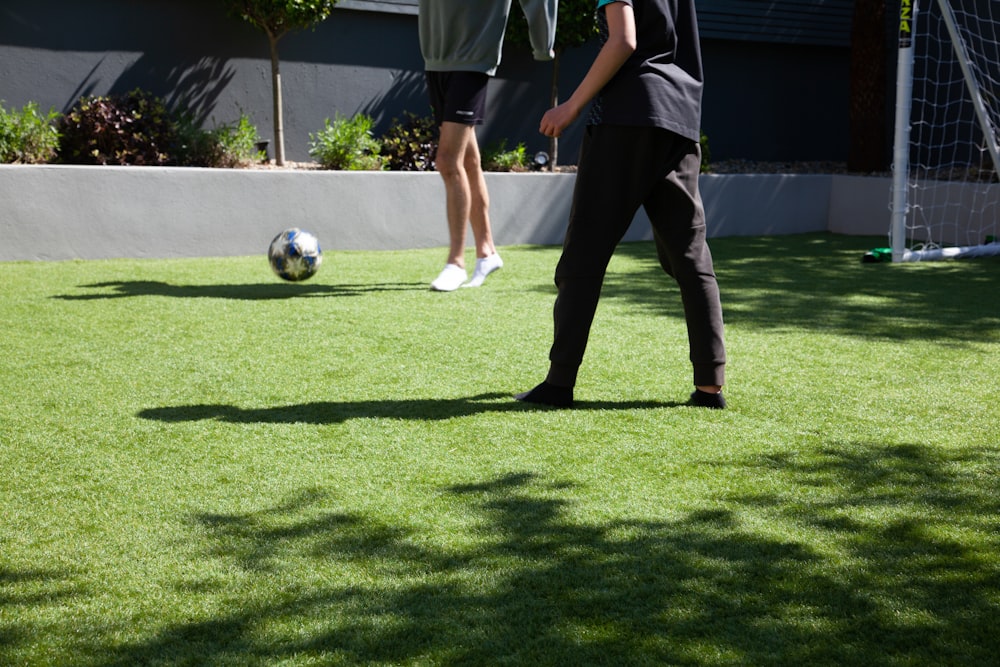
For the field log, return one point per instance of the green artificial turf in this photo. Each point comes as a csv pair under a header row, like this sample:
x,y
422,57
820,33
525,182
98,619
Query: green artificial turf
x,y
203,465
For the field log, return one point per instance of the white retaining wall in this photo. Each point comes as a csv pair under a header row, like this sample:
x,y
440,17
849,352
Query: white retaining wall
x,y
74,212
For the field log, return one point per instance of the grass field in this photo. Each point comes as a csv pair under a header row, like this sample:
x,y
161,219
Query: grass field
x,y
201,465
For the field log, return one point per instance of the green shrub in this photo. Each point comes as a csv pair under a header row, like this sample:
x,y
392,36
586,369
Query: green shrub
x,y
26,136
410,145
347,144
227,146
131,129
496,157
239,143
195,147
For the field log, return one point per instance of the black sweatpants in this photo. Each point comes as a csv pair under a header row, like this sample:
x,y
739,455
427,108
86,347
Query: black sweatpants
x,y
622,168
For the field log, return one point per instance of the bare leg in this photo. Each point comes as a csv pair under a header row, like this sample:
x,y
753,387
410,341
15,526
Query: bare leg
x,y
467,200
479,201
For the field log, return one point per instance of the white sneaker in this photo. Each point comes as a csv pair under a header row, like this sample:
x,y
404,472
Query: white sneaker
x,y
450,279
484,267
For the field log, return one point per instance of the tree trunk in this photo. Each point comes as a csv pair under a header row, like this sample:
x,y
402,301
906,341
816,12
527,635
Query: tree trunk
x,y
867,150
279,121
554,101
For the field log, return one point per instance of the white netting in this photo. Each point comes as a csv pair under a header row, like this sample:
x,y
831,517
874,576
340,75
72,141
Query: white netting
x,y
951,200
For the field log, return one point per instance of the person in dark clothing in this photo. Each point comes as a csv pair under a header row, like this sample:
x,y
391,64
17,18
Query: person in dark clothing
x,y
641,148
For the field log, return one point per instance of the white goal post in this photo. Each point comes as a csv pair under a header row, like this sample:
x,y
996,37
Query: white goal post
x,y
946,159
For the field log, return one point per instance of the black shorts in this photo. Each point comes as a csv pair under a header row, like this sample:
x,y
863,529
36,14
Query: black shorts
x,y
458,97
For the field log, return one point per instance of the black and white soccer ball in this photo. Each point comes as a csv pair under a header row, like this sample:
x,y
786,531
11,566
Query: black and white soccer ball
x,y
295,255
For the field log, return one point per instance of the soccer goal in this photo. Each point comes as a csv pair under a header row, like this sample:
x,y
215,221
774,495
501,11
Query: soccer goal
x,y
945,193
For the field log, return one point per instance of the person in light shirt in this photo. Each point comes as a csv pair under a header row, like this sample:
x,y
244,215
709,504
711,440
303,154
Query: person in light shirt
x,y
461,43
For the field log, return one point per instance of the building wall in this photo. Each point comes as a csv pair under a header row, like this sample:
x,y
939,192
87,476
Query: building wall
x,y
764,100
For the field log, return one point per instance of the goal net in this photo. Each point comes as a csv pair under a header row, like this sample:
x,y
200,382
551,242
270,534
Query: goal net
x,y
946,195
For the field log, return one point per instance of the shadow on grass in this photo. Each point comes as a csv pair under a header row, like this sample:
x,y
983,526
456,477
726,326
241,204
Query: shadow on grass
x,y
803,282
22,589
869,566
250,292
335,412
817,282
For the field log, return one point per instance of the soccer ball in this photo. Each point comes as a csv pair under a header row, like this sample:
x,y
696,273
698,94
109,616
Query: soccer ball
x,y
295,255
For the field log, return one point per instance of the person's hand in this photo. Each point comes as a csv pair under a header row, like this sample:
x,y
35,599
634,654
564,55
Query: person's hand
x,y
558,119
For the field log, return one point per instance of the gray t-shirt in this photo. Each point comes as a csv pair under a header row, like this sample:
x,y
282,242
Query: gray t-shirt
x,y
660,85
467,35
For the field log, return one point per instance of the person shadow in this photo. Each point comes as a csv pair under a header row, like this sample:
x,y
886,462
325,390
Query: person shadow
x,y
336,412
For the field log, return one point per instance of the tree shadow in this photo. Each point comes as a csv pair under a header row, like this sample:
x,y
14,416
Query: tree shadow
x,y
407,93
817,282
193,85
23,588
902,514
249,292
530,583
336,412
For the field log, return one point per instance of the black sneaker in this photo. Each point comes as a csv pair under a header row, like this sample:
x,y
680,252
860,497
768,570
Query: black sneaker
x,y
548,394
703,399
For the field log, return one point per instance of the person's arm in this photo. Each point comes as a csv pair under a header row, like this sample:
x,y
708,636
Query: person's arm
x,y
620,45
541,15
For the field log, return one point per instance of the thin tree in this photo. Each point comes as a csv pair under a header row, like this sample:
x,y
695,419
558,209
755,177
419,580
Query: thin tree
x,y
277,18
577,25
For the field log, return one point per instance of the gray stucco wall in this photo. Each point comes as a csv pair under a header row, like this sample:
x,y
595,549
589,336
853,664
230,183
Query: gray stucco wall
x,y
762,101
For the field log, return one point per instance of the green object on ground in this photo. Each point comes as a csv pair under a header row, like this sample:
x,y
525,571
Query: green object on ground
x,y
877,255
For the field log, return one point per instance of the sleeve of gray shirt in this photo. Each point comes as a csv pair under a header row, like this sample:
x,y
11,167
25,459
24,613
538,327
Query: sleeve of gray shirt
x,y
541,15
467,35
